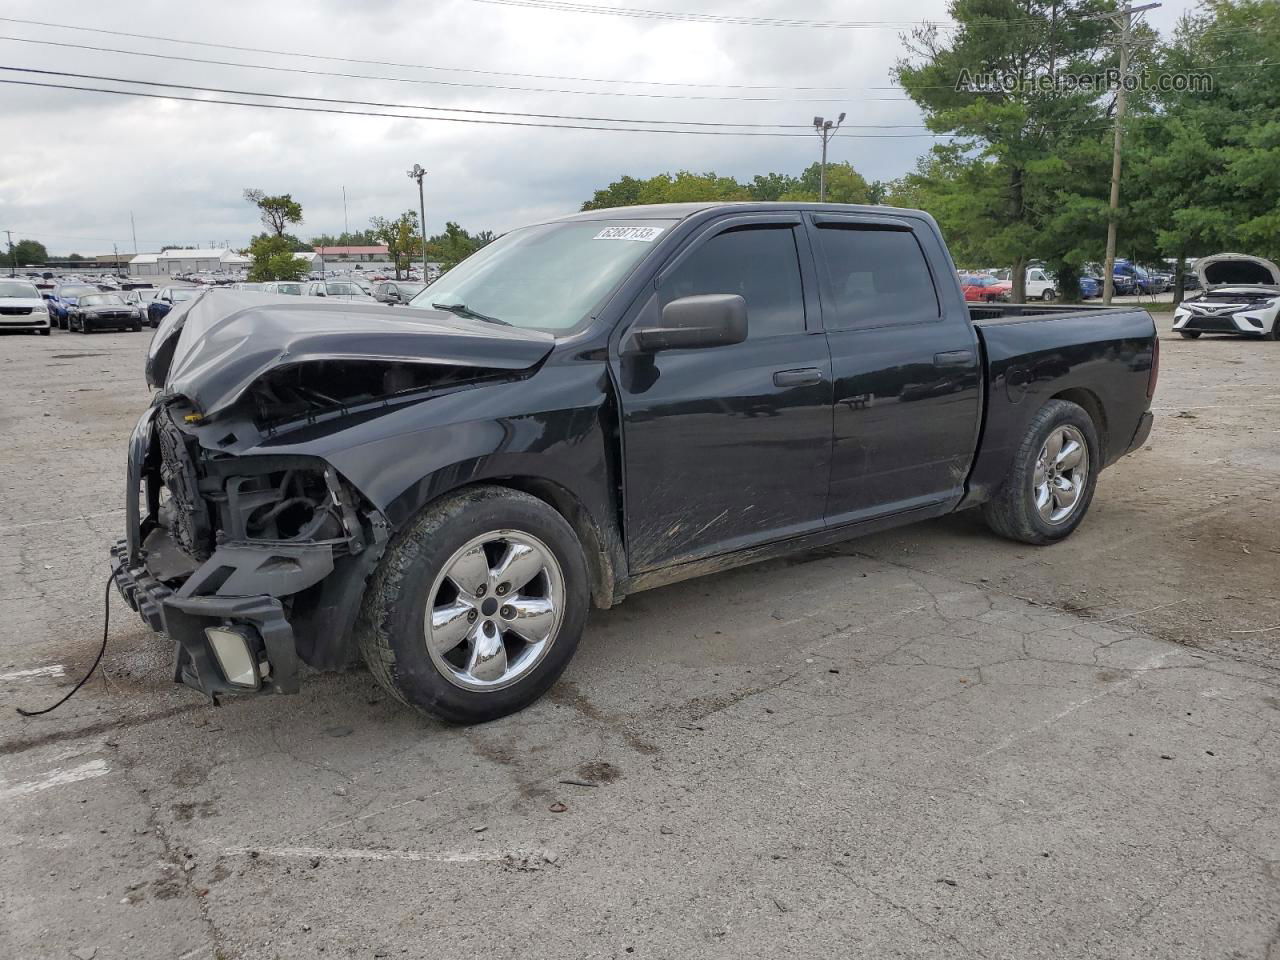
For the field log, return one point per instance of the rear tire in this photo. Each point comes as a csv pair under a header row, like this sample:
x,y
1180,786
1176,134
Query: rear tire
x,y
1189,334
495,646
1051,481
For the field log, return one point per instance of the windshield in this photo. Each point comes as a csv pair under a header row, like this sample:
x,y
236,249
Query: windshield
x,y
12,288
293,289
343,290
75,290
101,299
179,295
547,277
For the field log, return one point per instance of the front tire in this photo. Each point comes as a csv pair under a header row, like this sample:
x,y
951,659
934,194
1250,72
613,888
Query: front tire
x,y
477,606
1048,295
1189,334
1051,482
1274,332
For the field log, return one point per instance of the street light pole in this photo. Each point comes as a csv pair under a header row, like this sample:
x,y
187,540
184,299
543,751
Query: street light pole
x,y
13,255
826,130
417,173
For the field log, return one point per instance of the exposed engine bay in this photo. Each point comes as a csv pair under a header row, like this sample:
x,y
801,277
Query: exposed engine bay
x,y
290,392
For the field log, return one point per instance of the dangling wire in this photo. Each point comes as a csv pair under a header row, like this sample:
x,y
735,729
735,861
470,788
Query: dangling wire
x,y
106,622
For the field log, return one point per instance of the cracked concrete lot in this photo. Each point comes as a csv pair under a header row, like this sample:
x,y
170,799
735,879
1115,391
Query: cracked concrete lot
x,y
930,743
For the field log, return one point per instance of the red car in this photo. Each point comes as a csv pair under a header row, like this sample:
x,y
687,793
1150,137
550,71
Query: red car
x,y
982,288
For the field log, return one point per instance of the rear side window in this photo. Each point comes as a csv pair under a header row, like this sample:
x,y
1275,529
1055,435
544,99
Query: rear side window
x,y
876,277
758,263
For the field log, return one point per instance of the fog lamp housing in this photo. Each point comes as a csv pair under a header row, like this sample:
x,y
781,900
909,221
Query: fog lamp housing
x,y
233,646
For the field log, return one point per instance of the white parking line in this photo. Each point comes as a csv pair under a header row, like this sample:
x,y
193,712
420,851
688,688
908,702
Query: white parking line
x,y
55,778
53,670
360,853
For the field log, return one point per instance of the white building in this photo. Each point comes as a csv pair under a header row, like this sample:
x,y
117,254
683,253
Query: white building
x,y
145,265
173,262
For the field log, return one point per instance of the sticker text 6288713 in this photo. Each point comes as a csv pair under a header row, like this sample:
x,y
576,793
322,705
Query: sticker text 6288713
x,y
643,234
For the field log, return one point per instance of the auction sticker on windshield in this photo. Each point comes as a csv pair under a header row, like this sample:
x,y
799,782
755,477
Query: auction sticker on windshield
x,y
643,234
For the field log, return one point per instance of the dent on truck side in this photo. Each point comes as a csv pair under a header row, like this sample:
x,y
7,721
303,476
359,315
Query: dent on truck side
x,y
551,432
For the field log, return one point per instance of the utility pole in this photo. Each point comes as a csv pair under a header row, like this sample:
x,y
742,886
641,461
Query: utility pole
x,y
1123,19
346,224
134,230
417,173
13,255
826,130
115,252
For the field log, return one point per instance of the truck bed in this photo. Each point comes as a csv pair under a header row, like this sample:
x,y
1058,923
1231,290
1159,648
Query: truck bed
x,y
1098,357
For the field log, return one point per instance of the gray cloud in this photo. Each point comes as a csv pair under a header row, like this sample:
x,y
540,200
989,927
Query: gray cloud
x,y
80,162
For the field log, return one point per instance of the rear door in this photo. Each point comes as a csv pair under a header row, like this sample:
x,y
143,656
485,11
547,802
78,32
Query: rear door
x,y
905,365
729,446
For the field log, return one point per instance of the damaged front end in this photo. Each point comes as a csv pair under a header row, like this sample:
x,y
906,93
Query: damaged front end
x,y
250,564
247,547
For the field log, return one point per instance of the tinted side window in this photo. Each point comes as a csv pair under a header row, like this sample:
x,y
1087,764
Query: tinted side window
x,y
758,263
875,277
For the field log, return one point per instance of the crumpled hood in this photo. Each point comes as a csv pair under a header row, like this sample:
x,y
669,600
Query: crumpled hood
x,y
1236,270
212,348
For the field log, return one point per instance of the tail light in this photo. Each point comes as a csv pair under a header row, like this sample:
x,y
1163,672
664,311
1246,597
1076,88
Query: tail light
x,y
1155,367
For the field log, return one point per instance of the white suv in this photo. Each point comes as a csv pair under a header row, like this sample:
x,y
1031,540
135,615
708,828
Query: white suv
x,y
22,307
1241,296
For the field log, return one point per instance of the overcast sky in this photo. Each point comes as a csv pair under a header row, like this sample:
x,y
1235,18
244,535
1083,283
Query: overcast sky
x,y
75,164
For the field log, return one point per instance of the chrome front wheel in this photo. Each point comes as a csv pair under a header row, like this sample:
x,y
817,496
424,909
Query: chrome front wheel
x,y
1061,474
494,610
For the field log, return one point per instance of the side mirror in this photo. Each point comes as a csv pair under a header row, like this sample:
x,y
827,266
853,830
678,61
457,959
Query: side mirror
x,y
707,320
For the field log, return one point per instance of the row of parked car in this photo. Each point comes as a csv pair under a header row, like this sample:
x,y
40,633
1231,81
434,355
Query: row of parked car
x,y
76,305
992,286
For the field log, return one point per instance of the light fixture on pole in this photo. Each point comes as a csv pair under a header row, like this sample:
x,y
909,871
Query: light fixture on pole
x,y
826,130
417,173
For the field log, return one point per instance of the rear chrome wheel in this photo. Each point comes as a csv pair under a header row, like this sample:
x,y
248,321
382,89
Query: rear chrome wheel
x,y
495,610
1061,473
1051,479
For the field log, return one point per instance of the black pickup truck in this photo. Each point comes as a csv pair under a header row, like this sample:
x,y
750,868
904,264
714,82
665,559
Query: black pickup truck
x,y
587,408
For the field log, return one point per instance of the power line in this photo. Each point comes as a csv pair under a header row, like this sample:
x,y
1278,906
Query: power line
x,y
406,116
411,66
419,106
560,6
1066,124
437,83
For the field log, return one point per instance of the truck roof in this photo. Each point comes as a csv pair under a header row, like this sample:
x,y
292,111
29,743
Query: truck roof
x,y
681,211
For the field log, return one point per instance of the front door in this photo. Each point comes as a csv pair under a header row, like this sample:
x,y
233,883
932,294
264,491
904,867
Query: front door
x,y
729,446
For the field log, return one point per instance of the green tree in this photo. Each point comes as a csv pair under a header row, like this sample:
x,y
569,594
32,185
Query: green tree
x,y
404,242
1012,133
273,260
453,246
277,212
27,252
844,184
1201,169
355,238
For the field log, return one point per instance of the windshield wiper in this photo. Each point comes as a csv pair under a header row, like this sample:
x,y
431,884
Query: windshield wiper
x,y
462,310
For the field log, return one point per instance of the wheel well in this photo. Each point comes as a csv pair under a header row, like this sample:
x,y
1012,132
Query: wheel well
x,y
598,546
1089,402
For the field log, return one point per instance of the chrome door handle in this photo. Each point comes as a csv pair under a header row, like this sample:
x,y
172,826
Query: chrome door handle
x,y
953,358
805,377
